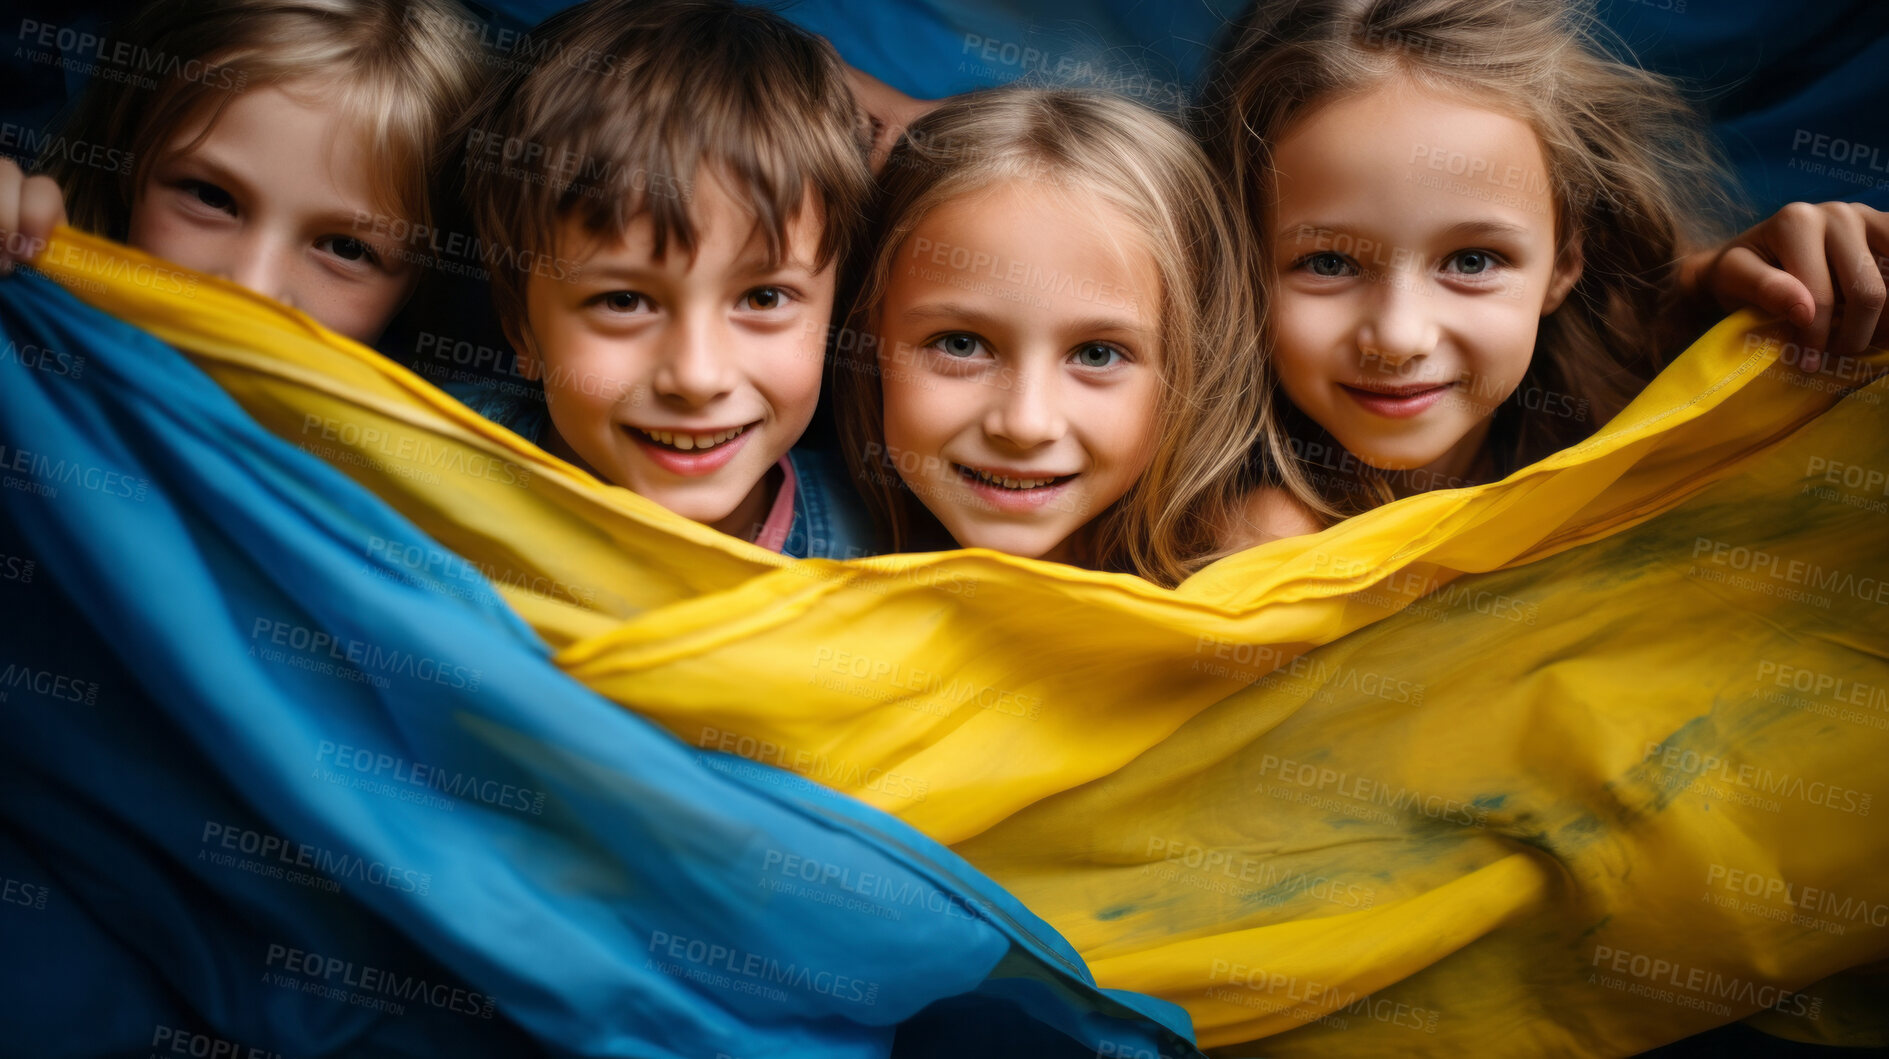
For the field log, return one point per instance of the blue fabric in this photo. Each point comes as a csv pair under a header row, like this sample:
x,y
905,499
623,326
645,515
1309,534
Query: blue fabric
x,y
270,779
1794,91
1773,77
830,519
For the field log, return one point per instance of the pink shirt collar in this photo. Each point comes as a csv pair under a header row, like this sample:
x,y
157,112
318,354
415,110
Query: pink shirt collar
x,y
780,517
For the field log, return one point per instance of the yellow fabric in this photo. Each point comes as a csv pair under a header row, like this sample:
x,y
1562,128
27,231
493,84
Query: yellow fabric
x,y
1545,766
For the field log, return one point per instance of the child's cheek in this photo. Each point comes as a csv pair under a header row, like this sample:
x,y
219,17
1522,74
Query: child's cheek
x,y
160,232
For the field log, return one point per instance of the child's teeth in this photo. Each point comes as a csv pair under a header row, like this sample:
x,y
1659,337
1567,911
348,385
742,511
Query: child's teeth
x,y
691,442
1013,483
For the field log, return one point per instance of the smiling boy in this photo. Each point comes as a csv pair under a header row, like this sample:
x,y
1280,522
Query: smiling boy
x,y
699,165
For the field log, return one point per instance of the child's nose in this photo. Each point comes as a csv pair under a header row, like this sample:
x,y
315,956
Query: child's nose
x,y
1398,326
694,365
1025,410
255,261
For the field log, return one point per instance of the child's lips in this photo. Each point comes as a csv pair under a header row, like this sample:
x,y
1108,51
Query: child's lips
x,y
665,448
1398,402
1010,490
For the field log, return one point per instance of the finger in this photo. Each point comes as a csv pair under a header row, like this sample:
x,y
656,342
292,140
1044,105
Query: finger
x,y
1859,287
1742,278
42,208
1876,227
1800,251
10,180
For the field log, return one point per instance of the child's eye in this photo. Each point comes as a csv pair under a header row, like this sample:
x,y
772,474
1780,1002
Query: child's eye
x,y
210,195
348,248
1098,355
765,298
957,344
1325,264
622,301
1472,262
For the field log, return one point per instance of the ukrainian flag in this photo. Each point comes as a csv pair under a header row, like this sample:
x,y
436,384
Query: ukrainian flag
x,y
1575,763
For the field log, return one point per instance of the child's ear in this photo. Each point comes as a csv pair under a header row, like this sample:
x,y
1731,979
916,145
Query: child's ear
x,y
524,350
1567,272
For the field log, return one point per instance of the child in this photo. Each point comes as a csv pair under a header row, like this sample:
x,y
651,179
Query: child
x,y
1058,363
1471,219
282,139
663,196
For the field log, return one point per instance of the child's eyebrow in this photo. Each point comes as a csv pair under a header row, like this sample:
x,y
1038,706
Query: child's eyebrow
x,y
341,217
951,311
1310,230
756,265
216,170
1105,325
1485,229
1093,325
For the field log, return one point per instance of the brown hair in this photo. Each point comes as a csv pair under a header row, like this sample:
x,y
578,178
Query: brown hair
x,y
404,69
627,101
1634,177
1144,165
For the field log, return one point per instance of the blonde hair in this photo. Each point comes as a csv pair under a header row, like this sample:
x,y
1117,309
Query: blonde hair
x,y
1211,405
404,69
1633,174
630,100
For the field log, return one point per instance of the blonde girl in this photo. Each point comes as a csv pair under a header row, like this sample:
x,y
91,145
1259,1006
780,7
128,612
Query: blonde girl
x,y
1472,221
287,145
1053,355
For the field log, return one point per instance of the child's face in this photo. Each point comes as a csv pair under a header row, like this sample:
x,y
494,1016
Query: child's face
x,y
1413,248
684,379
271,199
1021,365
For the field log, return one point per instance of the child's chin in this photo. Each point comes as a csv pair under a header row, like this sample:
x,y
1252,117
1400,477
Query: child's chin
x,y
1021,545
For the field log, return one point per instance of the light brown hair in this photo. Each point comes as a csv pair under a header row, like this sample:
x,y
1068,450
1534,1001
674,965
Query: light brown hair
x,y
1635,179
1149,169
624,105
403,69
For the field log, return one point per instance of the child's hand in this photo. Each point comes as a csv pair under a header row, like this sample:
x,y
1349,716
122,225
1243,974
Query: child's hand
x,y
888,109
30,208
1819,266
